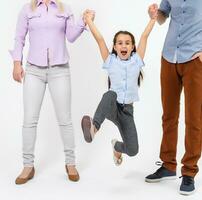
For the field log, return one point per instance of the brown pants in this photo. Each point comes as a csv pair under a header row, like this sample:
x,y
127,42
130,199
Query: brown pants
x,y
174,77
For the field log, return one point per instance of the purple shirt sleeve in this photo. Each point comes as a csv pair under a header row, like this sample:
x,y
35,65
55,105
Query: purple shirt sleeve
x,y
21,32
73,30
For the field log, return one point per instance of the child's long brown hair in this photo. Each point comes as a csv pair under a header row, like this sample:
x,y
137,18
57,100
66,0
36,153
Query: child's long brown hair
x,y
133,51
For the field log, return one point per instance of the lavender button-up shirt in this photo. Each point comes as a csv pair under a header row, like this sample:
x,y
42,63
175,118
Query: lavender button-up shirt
x,y
47,28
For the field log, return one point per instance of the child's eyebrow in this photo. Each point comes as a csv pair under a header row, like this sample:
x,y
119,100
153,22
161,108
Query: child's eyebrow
x,y
124,41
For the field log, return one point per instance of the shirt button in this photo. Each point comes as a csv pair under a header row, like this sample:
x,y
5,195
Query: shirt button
x,y
179,35
183,11
178,47
182,24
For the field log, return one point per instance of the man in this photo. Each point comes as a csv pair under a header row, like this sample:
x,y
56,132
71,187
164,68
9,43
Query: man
x,y
181,67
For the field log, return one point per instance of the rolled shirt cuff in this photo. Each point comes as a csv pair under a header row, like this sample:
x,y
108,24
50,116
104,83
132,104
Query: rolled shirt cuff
x,y
15,56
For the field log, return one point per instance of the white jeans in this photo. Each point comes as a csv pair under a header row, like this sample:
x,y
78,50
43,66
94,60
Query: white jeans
x,y
58,79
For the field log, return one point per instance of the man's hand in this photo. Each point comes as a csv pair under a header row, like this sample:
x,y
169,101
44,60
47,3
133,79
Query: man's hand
x,y
197,55
153,11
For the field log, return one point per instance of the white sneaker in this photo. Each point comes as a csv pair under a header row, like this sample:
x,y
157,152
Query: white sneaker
x,y
117,161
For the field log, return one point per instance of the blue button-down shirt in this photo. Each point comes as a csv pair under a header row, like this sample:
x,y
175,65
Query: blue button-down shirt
x,y
123,76
184,37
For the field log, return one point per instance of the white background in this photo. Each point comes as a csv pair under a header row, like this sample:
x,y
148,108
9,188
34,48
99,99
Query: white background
x,y
100,179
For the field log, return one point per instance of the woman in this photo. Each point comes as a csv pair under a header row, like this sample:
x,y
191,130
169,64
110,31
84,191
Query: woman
x,y
48,23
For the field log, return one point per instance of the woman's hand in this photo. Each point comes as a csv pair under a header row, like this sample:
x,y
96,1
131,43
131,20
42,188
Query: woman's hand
x,y
18,71
153,11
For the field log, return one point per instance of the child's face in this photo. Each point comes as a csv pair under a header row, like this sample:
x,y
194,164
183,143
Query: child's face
x,y
123,46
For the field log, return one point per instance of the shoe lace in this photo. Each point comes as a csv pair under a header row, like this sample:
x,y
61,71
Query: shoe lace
x,y
158,171
187,180
158,163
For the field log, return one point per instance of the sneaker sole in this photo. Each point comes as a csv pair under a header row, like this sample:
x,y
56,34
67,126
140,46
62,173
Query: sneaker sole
x,y
86,125
160,179
186,193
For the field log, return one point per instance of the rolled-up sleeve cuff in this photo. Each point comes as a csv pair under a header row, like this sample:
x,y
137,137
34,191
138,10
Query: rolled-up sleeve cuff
x,y
82,24
164,12
15,56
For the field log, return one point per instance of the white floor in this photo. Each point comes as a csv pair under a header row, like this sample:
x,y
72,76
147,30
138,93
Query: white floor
x,y
100,178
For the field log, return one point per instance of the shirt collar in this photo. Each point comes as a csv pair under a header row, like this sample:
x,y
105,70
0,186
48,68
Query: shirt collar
x,y
41,1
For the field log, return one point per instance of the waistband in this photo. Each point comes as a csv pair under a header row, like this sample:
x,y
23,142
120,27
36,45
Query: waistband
x,y
50,66
124,104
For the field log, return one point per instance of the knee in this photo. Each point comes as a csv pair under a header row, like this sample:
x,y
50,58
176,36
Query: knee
x,y
110,95
65,120
30,122
132,151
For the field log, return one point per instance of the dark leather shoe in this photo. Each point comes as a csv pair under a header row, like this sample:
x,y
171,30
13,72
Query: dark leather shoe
x,y
72,177
20,181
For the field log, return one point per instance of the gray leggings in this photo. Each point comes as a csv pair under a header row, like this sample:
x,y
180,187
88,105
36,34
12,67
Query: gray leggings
x,y
58,80
122,117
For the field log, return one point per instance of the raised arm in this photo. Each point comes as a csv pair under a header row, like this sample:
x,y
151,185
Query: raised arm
x,y
73,29
97,35
143,40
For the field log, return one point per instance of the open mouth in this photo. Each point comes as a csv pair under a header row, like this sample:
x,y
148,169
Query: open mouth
x,y
123,53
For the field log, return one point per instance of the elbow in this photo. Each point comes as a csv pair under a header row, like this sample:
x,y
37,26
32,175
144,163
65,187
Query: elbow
x,y
71,39
72,36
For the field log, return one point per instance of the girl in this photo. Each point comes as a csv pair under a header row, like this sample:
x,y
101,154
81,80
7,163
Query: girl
x,y
48,23
124,66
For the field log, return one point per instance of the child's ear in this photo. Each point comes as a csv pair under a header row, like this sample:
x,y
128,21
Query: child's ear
x,y
114,47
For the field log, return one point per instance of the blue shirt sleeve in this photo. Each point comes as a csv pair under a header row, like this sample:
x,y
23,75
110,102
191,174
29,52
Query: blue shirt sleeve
x,y
165,7
108,62
139,61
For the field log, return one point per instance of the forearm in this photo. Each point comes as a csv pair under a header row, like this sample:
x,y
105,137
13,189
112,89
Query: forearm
x,y
148,28
99,39
95,32
17,63
73,31
20,36
143,40
17,52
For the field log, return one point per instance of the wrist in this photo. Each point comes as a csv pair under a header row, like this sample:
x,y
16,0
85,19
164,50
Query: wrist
x,y
17,64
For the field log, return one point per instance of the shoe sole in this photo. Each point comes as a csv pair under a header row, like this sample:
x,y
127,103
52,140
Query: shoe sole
x,y
186,193
160,179
25,180
86,125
